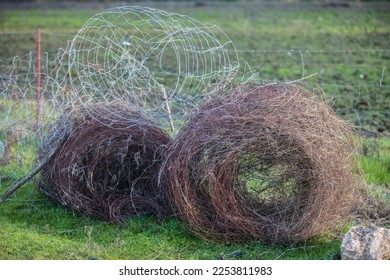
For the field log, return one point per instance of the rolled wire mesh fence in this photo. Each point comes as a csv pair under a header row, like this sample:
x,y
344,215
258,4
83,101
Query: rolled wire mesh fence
x,y
107,163
269,163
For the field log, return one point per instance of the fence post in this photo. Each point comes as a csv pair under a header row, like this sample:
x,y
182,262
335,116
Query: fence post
x,y
38,79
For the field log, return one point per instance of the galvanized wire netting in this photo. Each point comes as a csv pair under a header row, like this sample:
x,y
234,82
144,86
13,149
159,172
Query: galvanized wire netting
x,y
163,63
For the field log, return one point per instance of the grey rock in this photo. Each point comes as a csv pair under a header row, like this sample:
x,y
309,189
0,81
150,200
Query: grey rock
x,y
366,243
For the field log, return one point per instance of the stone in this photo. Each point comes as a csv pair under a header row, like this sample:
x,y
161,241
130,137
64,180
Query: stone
x,y
366,243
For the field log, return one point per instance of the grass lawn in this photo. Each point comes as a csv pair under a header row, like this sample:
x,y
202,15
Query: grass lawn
x,y
32,227
348,48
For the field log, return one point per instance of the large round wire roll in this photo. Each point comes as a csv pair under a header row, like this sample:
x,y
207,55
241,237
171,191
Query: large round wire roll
x,y
268,162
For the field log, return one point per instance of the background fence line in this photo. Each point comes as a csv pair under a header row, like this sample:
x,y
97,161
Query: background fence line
x,y
20,68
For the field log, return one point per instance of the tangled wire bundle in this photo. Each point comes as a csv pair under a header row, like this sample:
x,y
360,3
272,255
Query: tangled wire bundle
x,y
269,163
107,165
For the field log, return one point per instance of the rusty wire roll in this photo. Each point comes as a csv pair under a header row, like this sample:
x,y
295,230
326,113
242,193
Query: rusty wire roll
x,y
108,164
268,162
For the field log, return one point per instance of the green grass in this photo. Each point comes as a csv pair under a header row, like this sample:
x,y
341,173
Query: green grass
x,y
68,21
33,227
377,170
376,161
